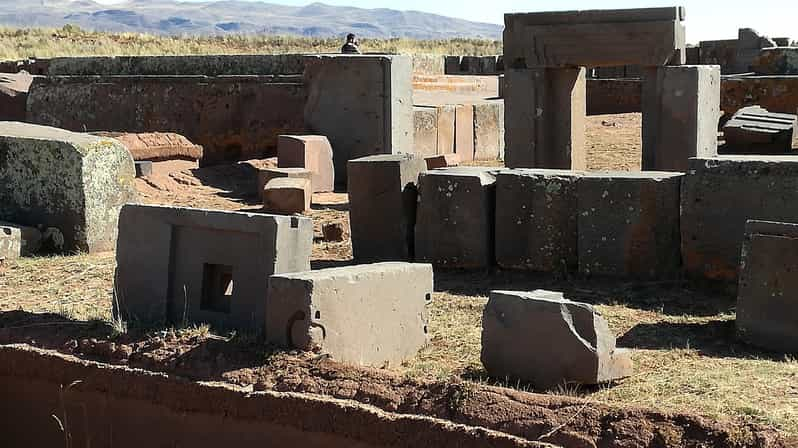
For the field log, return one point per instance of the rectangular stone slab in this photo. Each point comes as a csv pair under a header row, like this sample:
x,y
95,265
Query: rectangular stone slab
x,y
18,241
312,152
719,195
629,225
536,220
767,300
68,183
180,265
372,315
382,206
489,130
425,130
543,338
455,221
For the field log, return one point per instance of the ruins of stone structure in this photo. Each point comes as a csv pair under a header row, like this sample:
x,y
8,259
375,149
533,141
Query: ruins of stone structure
x,y
372,315
156,146
312,152
287,195
180,265
73,183
267,174
755,130
542,338
18,241
767,300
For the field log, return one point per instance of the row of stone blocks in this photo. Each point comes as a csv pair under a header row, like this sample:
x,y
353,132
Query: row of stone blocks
x,y
641,225
251,272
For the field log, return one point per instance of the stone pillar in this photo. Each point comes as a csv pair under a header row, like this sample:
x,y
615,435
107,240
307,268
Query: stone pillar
x,y
681,108
362,103
545,118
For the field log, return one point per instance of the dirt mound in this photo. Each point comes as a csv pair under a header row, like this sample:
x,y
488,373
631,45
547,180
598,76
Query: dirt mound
x,y
570,422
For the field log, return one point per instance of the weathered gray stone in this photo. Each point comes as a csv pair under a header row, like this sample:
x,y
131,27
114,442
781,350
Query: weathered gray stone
x,y
267,174
312,152
545,118
754,130
681,108
489,130
362,103
629,224
536,220
73,182
18,241
767,300
382,206
719,195
597,38
455,221
287,195
181,265
777,61
373,315
464,132
209,65
425,131
542,338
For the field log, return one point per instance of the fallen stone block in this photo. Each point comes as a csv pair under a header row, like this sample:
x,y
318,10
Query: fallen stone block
x,y
287,195
455,221
442,161
542,338
753,130
312,152
73,182
767,300
267,174
373,315
629,224
536,220
18,241
382,206
719,195
181,266
143,168
156,146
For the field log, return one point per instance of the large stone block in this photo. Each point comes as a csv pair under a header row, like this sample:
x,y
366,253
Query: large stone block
x,y
464,131
382,206
542,338
629,225
233,118
597,38
755,130
373,315
489,130
536,220
180,265
14,95
455,222
156,146
767,300
18,241
719,195
312,152
446,119
267,174
75,183
286,195
681,108
452,65
362,103
545,118
208,65
425,131
776,61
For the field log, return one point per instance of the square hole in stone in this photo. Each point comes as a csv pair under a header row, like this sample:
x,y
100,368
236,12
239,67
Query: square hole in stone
x,y
217,287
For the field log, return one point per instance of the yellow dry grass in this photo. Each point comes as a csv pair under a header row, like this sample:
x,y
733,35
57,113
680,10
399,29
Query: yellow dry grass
x,y
72,41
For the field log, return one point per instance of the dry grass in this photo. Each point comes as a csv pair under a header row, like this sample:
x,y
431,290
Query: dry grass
x,y
72,41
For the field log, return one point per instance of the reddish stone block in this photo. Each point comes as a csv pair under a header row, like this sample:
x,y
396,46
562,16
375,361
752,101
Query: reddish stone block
x,y
312,152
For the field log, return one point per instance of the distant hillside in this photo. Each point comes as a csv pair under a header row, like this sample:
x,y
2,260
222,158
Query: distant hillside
x,y
171,17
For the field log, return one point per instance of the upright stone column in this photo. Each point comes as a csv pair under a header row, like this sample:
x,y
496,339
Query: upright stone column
x,y
545,118
362,104
681,108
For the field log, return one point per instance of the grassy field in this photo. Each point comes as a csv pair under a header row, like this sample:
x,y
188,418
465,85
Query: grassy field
x,y
72,41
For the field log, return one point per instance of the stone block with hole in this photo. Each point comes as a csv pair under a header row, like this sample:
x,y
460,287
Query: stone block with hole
x,y
181,265
382,206
312,152
544,339
455,218
267,174
18,241
372,315
536,220
628,225
286,196
767,299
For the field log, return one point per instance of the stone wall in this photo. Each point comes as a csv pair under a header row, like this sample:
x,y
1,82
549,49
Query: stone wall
x,y
613,96
209,65
231,117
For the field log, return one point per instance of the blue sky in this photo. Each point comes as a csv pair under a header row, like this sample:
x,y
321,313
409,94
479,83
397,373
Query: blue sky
x,y
705,19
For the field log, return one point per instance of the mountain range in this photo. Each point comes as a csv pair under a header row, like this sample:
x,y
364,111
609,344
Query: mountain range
x,y
172,17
